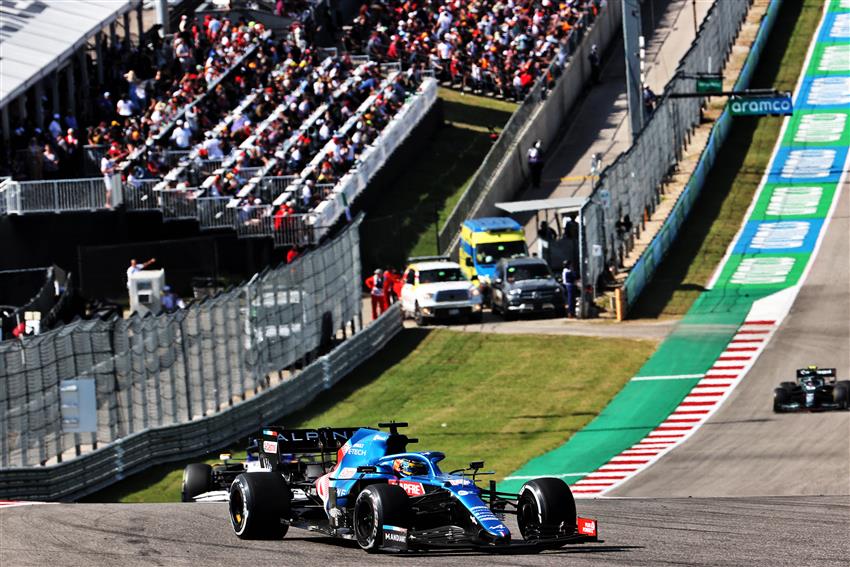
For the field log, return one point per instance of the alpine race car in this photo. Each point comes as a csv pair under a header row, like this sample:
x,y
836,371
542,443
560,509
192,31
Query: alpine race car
x,y
815,389
363,484
210,483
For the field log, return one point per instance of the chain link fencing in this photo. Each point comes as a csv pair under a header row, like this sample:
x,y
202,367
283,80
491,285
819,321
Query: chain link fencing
x,y
157,371
631,185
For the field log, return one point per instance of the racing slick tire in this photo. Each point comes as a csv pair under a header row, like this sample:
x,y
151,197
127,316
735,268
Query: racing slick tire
x,y
257,504
780,397
546,509
841,394
197,479
787,386
376,506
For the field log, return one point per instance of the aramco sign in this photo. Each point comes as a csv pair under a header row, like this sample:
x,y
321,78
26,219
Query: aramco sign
x,y
780,105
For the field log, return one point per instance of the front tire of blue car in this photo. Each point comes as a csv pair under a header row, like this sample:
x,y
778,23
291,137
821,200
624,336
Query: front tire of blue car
x,y
546,509
257,504
376,506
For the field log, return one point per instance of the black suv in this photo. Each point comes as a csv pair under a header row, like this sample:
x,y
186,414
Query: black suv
x,y
525,285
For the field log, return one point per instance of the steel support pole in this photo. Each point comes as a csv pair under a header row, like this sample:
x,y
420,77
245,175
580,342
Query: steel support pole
x,y
72,87
631,42
4,124
140,23
98,46
162,16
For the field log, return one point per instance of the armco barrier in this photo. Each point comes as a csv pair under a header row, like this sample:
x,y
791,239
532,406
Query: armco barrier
x,y
137,452
504,169
648,262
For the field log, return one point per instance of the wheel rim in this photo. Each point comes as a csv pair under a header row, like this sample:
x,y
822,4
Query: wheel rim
x,y
364,521
237,505
529,523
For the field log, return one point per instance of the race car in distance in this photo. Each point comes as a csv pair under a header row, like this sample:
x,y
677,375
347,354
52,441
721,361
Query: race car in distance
x,y
363,484
210,483
433,287
815,389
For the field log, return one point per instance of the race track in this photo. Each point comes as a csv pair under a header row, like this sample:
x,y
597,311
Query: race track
x,y
747,450
652,532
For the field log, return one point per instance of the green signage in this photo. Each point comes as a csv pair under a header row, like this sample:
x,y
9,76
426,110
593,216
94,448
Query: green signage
x,y
709,85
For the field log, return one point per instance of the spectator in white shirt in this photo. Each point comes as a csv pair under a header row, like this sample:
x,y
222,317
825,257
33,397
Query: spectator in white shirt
x,y
213,147
124,107
181,136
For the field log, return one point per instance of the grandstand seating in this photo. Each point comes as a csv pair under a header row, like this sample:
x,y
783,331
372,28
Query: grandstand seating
x,y
272,138
486,46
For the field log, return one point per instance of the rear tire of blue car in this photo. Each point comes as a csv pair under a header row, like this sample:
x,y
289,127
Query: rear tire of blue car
x,y
841,394
376,506
197,479
546,509
257,504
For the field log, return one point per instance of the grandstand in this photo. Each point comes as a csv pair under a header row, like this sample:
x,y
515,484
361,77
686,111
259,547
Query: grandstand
x,y
225,124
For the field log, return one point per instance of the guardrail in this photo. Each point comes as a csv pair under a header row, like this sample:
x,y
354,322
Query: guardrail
x,y
137,452
649,260
540,116
630,186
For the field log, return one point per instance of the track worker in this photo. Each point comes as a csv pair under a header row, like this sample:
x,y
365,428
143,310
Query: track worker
x,y
569,280
535,163
376,284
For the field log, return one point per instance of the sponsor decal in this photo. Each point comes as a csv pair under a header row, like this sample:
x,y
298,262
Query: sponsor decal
x,y
829,91
820,128
484,514
412,488
270,446
840,28
836,58
347,472
760,106
463,492
760,271
800,200
394,534
357,452
586,526
380,437
460,482
808,163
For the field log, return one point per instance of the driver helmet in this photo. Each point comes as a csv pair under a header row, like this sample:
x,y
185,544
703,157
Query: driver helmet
x,y
407,467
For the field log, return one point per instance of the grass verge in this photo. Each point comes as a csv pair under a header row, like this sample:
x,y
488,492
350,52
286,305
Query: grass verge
x,y
432,184
501,398
719,211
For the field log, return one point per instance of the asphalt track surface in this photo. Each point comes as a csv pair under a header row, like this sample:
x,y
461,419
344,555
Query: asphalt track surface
x,y
747,450
717,531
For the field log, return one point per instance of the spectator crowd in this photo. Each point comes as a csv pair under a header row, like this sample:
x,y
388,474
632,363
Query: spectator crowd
x,y
497,47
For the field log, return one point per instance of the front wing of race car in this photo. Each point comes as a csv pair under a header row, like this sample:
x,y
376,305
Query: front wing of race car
x,y
790,407
453,537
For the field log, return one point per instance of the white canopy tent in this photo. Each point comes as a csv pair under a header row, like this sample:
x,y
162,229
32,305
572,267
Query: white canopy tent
x,y
38,36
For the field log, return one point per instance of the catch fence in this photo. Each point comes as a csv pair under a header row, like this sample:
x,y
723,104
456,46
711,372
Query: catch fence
x,y
631,185
155,371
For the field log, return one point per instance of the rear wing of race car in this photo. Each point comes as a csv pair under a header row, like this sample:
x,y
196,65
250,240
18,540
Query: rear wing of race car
x,y
279,440
826,373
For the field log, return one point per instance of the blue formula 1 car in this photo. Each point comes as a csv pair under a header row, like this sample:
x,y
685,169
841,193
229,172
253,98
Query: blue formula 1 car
x,y
363,484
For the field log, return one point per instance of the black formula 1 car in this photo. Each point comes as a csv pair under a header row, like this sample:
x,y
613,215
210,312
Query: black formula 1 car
x,y
363,484
816,389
